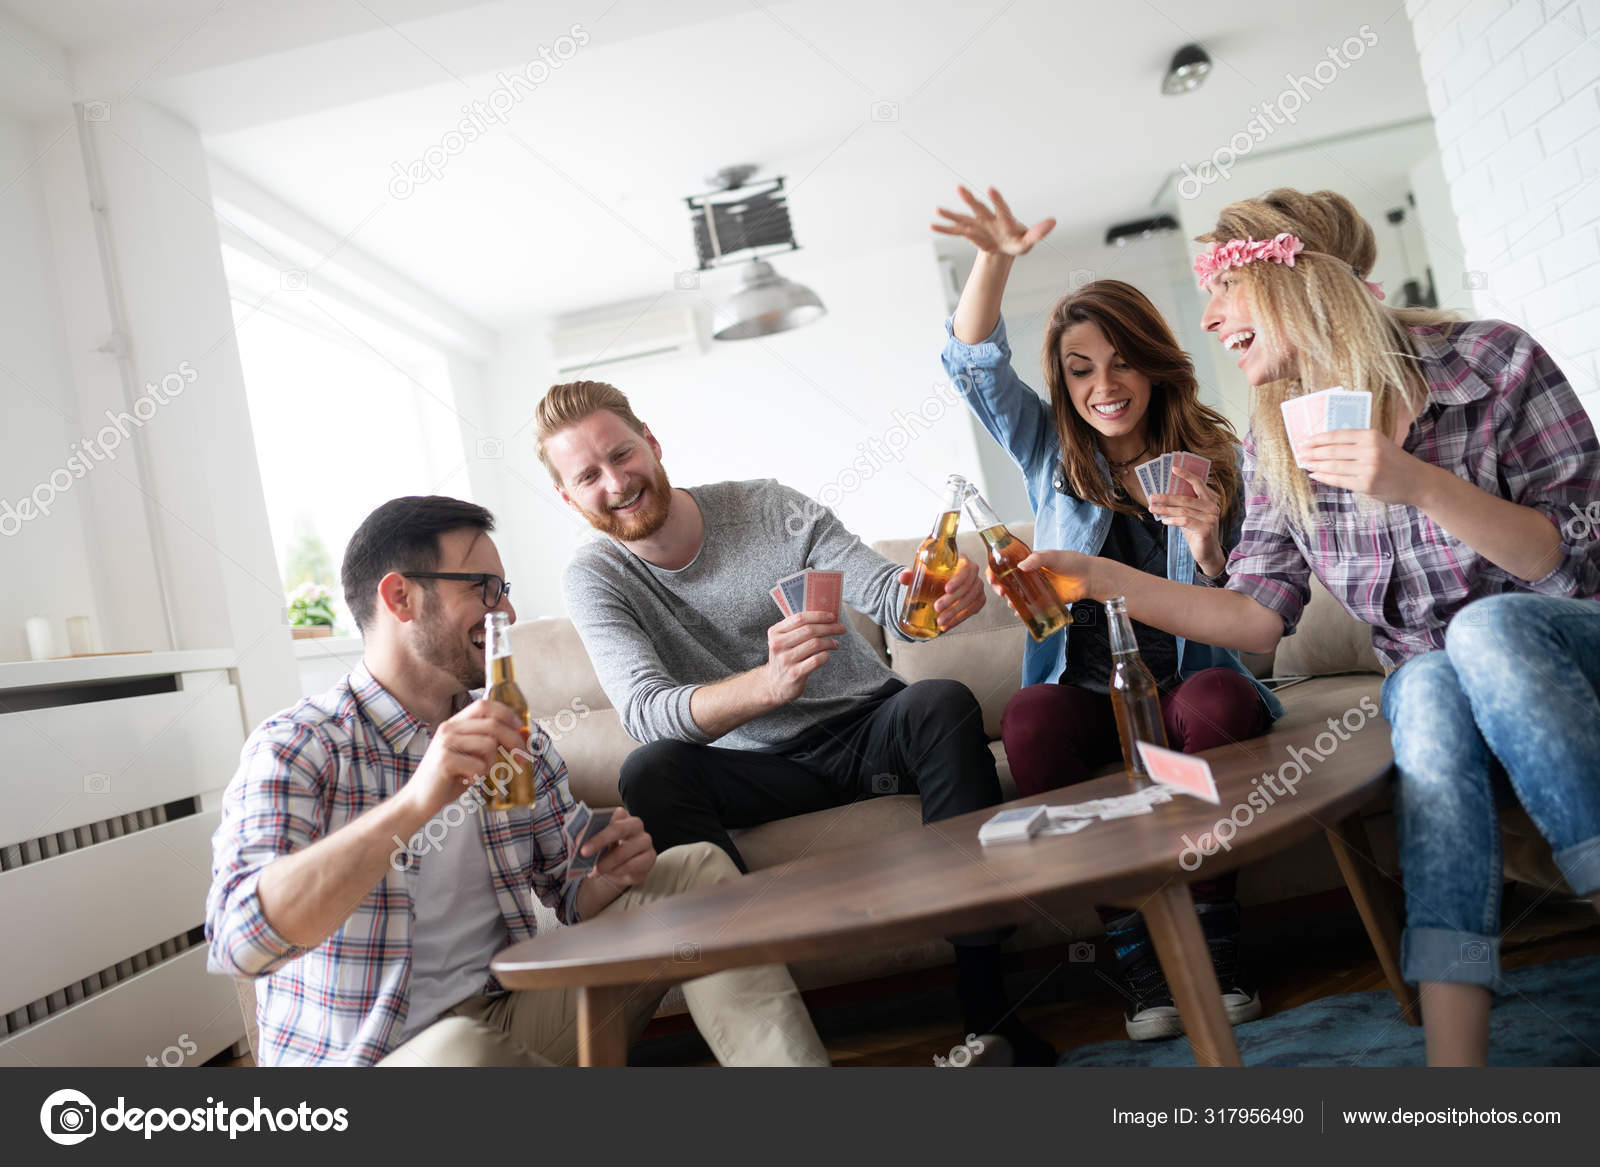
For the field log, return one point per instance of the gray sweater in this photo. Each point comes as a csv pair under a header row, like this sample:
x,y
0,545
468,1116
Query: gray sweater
x,y
655,636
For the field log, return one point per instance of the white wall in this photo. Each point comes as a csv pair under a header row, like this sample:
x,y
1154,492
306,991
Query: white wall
x,y
44,560
803,407
1515,92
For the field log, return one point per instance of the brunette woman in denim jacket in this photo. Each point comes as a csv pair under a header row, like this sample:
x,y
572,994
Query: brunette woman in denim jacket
x,y
1121,393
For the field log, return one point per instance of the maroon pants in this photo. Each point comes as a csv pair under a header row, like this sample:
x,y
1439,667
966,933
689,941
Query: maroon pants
x,y
1058,735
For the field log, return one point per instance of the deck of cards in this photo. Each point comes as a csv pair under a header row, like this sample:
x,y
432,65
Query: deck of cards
x,y
1157,477
582,825
809,591
1317,413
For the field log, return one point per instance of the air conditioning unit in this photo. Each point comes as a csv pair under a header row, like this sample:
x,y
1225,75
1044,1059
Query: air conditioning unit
x,y
620,334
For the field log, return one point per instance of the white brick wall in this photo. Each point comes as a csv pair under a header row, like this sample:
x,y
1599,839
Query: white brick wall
x,y
1515,91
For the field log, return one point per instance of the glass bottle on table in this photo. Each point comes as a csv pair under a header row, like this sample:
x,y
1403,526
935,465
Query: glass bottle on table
x,y
936,561
1033,594
1135,697
502,687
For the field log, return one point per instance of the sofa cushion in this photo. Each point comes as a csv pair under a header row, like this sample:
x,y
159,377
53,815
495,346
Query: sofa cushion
x,y
1327,640
593,750
984,653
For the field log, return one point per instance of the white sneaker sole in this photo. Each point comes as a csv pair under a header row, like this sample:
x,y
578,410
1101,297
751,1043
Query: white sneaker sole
x,y
1163,1021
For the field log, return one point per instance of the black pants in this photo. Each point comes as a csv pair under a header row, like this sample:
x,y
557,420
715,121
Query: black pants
x,y
924,739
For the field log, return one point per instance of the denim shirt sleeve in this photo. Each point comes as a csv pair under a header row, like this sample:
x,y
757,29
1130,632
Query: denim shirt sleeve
x,y
1015,416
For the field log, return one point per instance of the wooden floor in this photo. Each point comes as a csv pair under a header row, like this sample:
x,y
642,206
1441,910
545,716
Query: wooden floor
x,y
1300,951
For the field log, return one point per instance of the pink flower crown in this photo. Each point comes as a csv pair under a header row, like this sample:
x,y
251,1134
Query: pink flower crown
x,y
1281,248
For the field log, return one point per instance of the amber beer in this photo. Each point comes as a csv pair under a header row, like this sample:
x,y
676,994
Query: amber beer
x,y
1032,593
502,687
935,562
1134,695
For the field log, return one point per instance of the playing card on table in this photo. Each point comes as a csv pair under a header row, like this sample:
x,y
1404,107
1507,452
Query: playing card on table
x,y
1127,810
794,591
1188,774
1189,464
823,590
1065,826
783,605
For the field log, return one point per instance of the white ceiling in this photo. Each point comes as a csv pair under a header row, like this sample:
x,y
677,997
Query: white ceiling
x,y
577,199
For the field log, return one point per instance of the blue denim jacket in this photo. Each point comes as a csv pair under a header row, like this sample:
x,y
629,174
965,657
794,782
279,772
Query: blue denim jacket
x,y
1022,422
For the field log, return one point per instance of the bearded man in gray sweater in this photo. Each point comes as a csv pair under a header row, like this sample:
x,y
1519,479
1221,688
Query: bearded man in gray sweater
x,y
747,720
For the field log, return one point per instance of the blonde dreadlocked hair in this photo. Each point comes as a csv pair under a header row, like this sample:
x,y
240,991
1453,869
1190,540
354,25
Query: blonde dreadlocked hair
x,y
1338,331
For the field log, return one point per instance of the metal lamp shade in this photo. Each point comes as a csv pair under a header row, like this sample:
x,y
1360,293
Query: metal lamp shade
x,y
764,304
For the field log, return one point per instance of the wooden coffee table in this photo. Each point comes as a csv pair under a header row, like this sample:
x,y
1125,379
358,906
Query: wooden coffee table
x,y
938,881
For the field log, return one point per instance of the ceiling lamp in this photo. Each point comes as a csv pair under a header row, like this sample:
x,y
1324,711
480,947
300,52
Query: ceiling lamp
x,y
1189,67
739,224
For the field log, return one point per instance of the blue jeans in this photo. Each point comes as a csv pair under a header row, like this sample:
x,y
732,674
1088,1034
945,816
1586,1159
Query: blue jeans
x,y
1510,708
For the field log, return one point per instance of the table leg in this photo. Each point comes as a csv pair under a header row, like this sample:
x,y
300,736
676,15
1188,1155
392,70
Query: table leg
x,y
1351,849
1181,945
603,1025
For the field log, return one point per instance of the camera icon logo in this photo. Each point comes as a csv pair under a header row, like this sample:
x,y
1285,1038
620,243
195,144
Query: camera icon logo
x,y
885,783
97,783
292,281
67,1117
97,111
1078,277
490,448
685,281
1475,952
1474,281
885,111
1081,953
685,953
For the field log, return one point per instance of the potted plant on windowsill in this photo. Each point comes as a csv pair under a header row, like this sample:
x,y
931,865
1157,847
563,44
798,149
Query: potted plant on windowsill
x,y
310,611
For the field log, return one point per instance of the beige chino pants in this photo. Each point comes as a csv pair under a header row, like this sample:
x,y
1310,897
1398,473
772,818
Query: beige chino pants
x,y
748,1016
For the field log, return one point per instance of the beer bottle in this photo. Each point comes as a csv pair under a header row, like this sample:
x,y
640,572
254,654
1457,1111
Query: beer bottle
x,y
502,687
1032,593
935,563
1134,695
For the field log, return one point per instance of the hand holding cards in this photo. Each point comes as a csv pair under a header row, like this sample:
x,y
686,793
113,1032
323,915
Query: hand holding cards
x,y
810,591
1158,476
582,825
1317,413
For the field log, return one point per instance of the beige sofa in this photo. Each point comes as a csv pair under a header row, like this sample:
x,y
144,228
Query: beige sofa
x,y
986,654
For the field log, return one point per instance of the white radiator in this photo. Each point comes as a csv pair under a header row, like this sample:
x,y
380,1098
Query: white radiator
x,y
111,771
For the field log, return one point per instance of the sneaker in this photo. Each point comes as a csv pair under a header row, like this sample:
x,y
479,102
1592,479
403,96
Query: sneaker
x,y
1220,923
1151,1014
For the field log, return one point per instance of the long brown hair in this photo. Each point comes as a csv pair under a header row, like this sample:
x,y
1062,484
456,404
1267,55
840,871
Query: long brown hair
x,y
1175,419
1341,334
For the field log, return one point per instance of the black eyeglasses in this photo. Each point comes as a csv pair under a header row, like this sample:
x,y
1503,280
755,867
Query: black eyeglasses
x,y
493,586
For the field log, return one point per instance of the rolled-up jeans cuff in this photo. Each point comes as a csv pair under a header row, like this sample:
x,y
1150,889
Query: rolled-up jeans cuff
x,y
1580,863
1443,954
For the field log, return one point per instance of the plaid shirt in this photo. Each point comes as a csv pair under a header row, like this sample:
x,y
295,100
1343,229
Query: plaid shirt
x,y
1500,415
304,774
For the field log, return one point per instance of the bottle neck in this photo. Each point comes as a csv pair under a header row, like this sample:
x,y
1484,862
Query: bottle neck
x,y
954,488
497,642
1120,628
982,514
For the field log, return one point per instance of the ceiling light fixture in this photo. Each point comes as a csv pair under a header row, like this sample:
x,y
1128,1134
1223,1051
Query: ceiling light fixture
x,y
1119,234
738,224
1189,67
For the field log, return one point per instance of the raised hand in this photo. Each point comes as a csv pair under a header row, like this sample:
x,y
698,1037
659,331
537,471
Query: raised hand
x,y
994,231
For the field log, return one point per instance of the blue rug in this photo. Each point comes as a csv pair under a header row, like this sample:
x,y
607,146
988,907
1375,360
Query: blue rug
x,y
1550,1016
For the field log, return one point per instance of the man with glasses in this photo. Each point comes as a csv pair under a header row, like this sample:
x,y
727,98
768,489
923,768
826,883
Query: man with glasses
x,y
368,948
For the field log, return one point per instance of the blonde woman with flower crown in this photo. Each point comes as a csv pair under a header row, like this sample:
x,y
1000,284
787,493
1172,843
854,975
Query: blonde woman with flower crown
x,y
1447,527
